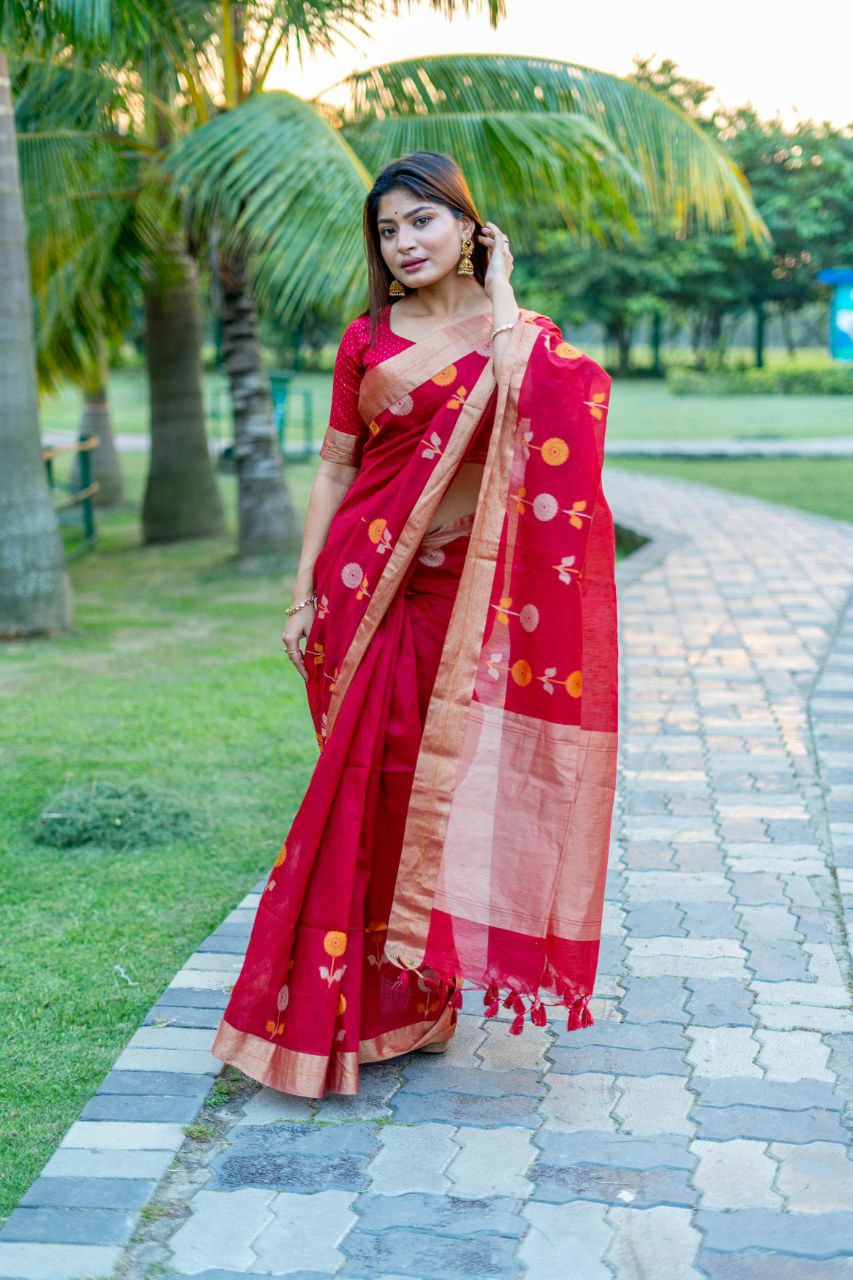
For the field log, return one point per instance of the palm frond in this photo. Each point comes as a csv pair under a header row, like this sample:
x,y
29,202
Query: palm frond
x,y
690,182
286,190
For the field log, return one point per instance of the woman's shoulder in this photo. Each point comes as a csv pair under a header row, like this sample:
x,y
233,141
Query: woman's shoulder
x,y
356,336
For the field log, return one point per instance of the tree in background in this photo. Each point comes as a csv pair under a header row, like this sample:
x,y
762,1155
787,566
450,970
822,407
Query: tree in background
x,y
35,595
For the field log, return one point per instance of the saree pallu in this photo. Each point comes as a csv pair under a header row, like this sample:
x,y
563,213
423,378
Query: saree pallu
x,y
462,685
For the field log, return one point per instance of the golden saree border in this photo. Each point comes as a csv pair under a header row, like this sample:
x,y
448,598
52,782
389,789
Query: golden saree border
x,y
310,1075
340,446
444,729
395,377
412,534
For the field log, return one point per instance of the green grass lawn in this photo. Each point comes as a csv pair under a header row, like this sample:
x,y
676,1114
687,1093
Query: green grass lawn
x,y
643,409
173,674
822,485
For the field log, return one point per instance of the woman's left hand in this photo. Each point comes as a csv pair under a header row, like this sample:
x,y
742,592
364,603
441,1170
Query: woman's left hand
x,y
500,258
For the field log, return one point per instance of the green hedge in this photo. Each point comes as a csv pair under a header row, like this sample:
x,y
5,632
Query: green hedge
x,y
779,380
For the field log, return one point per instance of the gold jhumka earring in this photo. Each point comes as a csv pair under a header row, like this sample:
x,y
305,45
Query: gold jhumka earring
x,y
466,266
396,290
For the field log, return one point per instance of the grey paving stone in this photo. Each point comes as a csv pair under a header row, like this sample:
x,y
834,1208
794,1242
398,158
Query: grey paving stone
x,y
780,1095
710,920
466,1109
188,998
817,1235
763,1122
776,960
171,1083
249,1275
57,1225
614,1149
444,1214
625,1035
618,1062
157,1108
720,1002
227,946
758,889
88,1193
771,1266
179,1016
641,1188
420,1254
655,919
655,1000
296,1157
427,1075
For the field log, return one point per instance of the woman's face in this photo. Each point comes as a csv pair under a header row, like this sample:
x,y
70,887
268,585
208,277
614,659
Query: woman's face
x,y
413,229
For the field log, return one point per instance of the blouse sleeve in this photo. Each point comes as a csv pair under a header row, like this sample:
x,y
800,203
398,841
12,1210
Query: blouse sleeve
x,y
346,432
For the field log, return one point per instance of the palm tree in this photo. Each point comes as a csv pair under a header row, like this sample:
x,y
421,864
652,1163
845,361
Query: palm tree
x,y
35,595
103,228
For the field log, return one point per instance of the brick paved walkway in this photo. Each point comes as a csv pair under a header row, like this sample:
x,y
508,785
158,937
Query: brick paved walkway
x,y
695,1131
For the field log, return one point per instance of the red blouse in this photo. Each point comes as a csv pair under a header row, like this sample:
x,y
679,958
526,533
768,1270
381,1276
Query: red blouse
x,y
352,361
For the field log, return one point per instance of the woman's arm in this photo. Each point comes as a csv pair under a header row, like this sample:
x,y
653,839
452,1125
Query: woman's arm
x,y
327,493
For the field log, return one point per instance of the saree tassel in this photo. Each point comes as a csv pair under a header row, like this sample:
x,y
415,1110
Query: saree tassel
x,y
579,1014
517,1024
456,999
492,1009
538,1016
404,980
509,1001
491,993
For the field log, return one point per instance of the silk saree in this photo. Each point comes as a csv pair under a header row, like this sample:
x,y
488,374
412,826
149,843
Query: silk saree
x,y
463,692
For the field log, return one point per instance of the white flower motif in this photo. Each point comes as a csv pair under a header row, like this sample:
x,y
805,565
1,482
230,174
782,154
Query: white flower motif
x,y
352,574
546,684
545,506
433,556
529,617
525,442
566,561
283,997
493,670
402,406
435,441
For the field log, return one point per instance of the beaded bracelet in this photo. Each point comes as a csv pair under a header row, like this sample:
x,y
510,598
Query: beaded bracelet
x,y
501,327
294,608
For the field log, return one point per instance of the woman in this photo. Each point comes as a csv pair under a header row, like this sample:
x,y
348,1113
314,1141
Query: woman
x,y
456,596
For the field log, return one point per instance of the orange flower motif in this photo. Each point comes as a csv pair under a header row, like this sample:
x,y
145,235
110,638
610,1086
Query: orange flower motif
x,y
573,684
282,855
335,943
342,1003
457,400
521,671
445,376
376,926
504,604
375,530
567,352
555,451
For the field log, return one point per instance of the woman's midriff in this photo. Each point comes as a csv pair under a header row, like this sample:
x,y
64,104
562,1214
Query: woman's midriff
x,y
461,496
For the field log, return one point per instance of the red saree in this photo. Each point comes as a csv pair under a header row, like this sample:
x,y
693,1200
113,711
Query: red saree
x,y
463,690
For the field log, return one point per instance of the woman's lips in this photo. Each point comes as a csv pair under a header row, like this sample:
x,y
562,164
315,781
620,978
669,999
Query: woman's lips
x,y
413,266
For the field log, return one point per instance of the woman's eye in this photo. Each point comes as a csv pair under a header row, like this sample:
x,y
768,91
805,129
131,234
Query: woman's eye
x,y
422,218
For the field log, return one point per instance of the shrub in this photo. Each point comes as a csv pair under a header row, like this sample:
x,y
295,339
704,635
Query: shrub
x,y
132,815
773,380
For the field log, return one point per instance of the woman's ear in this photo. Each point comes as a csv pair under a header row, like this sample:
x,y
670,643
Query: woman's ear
x,y
468,226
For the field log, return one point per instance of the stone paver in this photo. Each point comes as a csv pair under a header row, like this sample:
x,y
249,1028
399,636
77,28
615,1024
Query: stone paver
x,y
696,1131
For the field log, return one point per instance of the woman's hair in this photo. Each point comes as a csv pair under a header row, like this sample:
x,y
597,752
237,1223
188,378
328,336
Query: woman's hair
x,y
433,176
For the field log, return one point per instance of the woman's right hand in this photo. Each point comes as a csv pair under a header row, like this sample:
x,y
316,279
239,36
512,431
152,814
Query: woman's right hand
x,y
298,625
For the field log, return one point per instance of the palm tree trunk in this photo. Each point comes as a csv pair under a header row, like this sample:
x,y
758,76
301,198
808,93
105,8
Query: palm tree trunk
x,y
182,498
95,421
268,520
35,594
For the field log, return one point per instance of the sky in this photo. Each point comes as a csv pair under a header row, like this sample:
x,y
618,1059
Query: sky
x,y
771,55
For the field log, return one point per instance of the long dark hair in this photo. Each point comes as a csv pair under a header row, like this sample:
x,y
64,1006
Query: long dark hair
x,y
434,176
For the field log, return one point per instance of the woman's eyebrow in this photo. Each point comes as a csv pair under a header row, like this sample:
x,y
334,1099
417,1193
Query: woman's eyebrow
x,y
410,214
